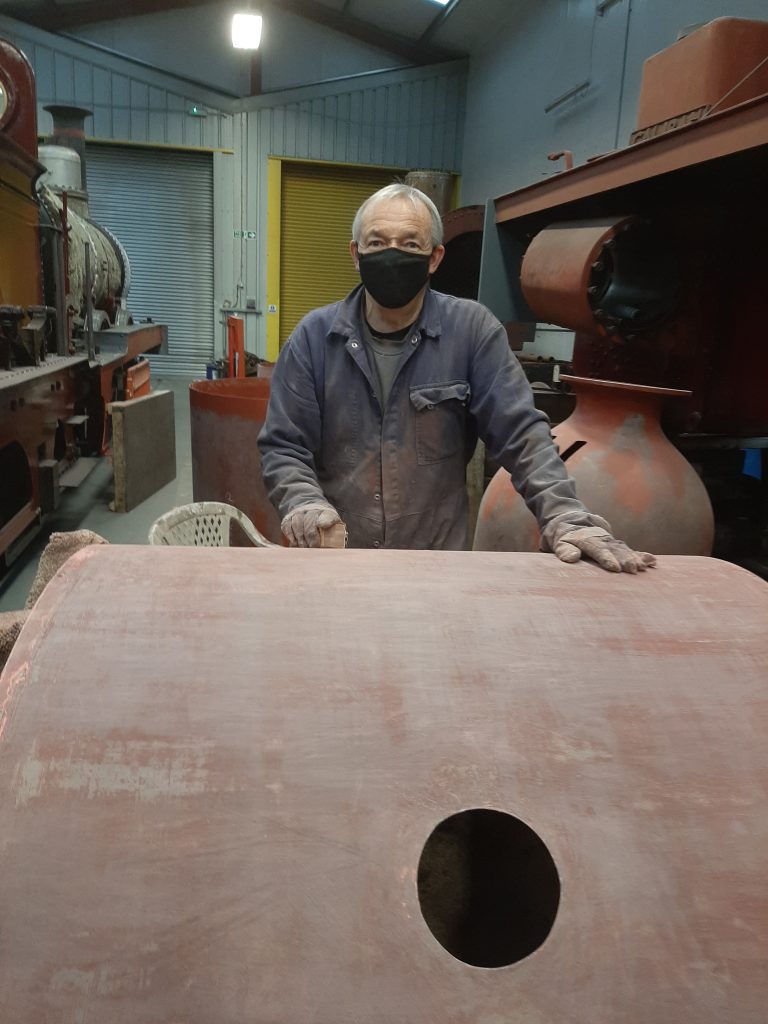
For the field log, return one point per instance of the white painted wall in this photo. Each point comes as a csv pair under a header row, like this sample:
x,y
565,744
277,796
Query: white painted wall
x,y
299,52
193,42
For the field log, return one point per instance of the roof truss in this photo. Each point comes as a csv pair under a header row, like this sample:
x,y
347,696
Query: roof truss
x,y
56,18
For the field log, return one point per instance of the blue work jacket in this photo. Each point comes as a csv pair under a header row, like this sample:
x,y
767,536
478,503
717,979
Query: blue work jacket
x,y
397,475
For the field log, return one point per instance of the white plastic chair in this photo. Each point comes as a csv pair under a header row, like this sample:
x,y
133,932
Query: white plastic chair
x,y
204,524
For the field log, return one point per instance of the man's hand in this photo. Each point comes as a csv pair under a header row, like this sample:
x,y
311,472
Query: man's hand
x,y
303,524
609,553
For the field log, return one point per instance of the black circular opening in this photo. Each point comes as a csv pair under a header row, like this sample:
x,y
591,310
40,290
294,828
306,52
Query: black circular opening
x,y
488,888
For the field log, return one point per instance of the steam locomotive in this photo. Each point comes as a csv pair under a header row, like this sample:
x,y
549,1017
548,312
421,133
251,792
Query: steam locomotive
x,y
68,344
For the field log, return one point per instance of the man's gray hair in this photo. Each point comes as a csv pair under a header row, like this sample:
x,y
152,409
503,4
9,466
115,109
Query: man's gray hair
x,y
400,191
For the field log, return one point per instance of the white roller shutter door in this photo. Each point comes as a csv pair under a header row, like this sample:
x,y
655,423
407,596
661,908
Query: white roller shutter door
x,y
159,204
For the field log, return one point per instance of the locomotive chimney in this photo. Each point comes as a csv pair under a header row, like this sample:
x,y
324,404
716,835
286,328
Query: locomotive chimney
x,y
69,131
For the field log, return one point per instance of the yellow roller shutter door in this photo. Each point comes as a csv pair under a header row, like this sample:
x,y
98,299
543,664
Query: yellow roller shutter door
x,y
317,206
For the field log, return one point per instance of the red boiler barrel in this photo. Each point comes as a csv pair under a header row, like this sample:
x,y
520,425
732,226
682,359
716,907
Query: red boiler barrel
x,y
400,787
226,417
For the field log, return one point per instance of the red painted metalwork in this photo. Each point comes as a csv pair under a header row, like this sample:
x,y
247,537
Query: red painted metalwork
x,y
694,185
42,381
730,58
465,220
219,813
557,267
626,471
563,154
129,343
33,402
236,346
738,130
226,417
18,124
20,274
138,380
459,271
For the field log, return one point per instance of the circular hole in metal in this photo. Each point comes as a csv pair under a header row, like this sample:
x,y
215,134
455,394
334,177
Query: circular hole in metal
x,y
488,888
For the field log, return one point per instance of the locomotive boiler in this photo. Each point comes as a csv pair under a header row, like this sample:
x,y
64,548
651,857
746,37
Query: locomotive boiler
x,y
66,334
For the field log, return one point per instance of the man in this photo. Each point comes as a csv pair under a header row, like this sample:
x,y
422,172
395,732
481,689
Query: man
x,y
377,401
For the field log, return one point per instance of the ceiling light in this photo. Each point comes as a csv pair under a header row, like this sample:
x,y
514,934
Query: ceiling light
x,y
246,31
441,2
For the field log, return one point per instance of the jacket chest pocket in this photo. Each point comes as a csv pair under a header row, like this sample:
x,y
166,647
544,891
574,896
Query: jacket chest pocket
x,y
441,415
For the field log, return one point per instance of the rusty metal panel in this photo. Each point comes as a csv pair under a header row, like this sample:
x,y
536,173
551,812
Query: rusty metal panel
x,y
222,793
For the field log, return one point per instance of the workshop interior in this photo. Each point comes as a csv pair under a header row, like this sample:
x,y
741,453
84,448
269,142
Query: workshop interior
x,y
242,782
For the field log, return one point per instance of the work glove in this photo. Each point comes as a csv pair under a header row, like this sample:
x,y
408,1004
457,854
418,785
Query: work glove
x,y
595,542
303,524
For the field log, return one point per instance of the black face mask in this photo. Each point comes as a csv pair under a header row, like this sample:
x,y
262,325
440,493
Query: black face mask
x,y
393,277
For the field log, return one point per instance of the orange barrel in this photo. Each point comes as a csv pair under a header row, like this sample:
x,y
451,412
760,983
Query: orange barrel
x,y
226,417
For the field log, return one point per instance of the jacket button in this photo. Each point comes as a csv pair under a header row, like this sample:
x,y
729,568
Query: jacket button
x,y
377,543
430,406
415,339
377,497
353,344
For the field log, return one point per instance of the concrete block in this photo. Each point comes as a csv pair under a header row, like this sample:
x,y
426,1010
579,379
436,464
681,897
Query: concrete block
x,y
143,448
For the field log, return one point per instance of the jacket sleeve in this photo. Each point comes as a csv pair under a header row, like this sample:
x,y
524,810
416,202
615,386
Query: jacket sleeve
x,y
518,436
290,439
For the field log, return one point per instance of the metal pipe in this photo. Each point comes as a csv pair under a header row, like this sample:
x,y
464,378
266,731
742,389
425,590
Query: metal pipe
x,y
89,304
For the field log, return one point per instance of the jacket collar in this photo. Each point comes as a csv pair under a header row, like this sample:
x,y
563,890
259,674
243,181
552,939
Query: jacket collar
x,y
347,321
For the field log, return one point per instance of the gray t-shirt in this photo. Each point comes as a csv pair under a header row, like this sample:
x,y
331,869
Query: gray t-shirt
x,y
384,354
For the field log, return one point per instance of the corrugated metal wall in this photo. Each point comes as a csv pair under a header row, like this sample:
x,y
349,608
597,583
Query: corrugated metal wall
x,y
130,103
412,118
160,205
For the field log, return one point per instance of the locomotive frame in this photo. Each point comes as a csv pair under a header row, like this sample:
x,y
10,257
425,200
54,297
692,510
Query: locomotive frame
x,y
61,359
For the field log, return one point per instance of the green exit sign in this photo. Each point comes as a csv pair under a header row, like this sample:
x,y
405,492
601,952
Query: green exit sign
x,y
244,234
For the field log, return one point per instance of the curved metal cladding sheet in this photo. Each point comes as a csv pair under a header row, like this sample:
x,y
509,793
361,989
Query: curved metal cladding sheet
x,y
217,789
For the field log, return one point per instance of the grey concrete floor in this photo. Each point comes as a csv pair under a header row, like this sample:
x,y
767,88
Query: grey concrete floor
x,y
87,506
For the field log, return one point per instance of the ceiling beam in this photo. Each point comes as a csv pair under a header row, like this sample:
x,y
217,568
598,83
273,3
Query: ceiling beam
x,y
57,18
437,21
415,52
